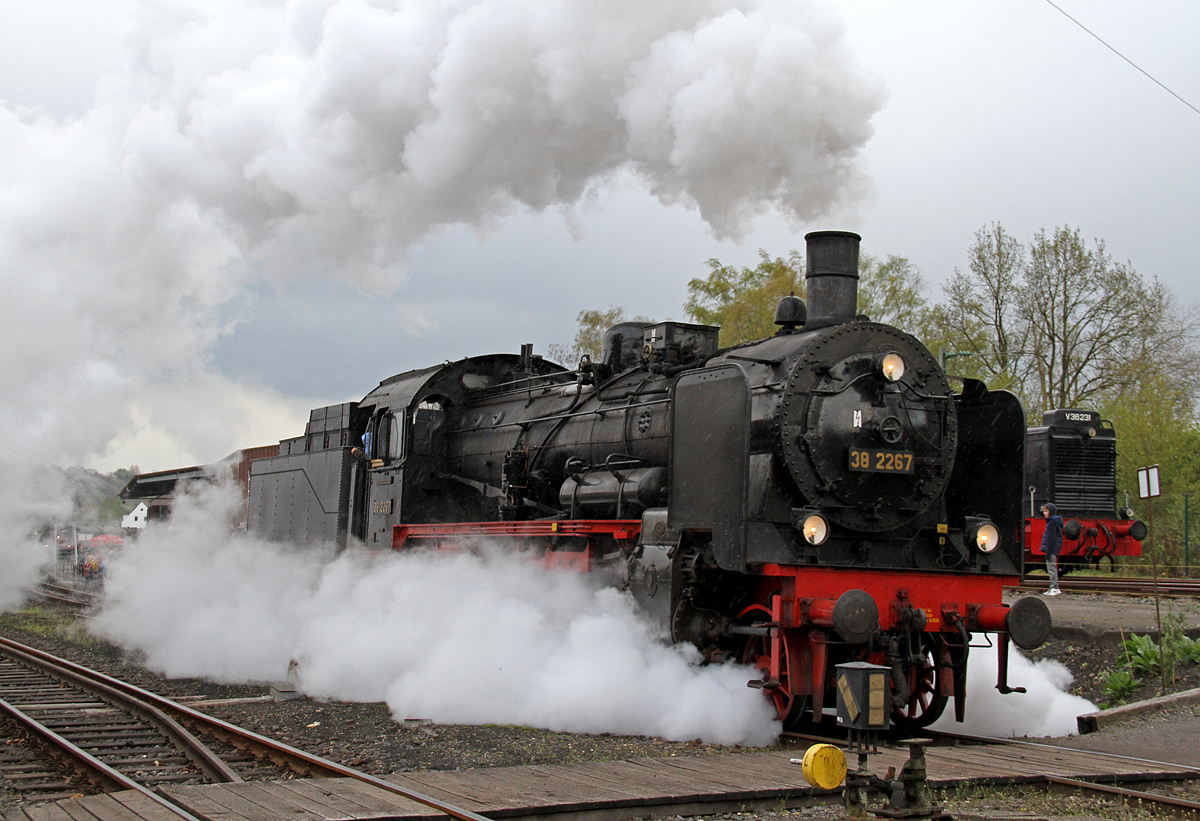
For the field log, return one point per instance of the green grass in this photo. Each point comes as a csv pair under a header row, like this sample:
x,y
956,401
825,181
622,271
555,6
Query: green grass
x,y
35,620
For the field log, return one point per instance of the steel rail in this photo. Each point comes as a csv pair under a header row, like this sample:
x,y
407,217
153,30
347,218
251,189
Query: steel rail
x,y
207,761
85,762
65,595
1180,807
1138,587
986,739
245,739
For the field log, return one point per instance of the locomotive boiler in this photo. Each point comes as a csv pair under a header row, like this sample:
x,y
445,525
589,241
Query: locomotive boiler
x,y
813,498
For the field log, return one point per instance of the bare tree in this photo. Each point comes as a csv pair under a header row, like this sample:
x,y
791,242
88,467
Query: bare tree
x,y
1076,305
1063,325
981,314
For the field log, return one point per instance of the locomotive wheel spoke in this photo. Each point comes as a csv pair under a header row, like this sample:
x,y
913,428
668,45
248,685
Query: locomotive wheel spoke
x,y
925,704
757,653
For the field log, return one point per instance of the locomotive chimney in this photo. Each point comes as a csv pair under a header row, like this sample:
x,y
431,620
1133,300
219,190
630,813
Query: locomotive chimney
x,y
832,277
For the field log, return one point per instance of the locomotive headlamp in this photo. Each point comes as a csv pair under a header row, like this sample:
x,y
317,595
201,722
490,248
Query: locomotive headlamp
x,y
815,527
891,366
983,533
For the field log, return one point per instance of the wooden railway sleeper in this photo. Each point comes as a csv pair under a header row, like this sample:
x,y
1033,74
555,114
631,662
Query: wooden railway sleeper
x,y
205,759
88,765
247,740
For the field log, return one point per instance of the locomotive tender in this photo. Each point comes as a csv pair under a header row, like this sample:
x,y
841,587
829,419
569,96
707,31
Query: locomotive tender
x,y
818,497
1071,460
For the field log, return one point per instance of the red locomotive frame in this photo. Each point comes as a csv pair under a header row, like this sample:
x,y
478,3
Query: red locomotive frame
x,y
552,536
1098,539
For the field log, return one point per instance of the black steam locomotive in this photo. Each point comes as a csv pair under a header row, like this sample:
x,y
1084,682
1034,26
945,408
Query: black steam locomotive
x,y
1071,460
818,497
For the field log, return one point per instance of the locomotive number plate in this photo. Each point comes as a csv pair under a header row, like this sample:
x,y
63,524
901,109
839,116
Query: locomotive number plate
x,y
881,461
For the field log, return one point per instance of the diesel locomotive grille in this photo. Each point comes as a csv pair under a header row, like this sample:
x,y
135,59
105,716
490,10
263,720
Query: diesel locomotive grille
x,y
1085,476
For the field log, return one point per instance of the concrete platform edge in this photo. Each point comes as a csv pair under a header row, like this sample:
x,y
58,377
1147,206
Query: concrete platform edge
x,y
1091,722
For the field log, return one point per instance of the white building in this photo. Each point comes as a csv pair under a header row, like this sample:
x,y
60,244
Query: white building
x,y
135,517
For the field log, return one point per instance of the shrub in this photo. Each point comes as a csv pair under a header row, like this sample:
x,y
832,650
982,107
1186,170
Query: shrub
x,y
1118,686
1188,650
1143,655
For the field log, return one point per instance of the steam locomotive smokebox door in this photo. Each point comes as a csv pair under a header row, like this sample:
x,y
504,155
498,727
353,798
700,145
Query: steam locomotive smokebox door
x,y
862,696
710,456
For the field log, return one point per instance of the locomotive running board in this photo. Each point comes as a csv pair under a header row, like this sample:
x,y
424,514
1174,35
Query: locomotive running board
x,y
552,534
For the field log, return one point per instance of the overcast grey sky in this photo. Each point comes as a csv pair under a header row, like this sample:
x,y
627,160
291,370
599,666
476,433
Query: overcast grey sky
x,y
167,301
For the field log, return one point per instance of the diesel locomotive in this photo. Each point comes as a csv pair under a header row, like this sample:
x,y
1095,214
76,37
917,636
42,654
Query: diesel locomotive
x,y
1071,460
817,497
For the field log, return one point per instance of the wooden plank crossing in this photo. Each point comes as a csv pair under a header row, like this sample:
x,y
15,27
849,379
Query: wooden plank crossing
x,y
609,790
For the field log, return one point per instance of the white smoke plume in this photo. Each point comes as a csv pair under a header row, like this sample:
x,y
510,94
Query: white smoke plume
x,y
317,140
456,639
1045,709
466,639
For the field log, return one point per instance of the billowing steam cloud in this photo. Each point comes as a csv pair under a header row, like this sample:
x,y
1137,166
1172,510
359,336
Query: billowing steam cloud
x,y
457,639
1045,709
312,140
465,639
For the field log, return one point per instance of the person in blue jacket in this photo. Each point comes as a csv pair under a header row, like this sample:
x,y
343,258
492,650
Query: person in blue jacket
x,y
1052,544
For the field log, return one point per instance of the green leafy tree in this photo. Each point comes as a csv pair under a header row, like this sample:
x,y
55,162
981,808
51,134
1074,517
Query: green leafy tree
x,y
590,335
1155,425
742,300
891,291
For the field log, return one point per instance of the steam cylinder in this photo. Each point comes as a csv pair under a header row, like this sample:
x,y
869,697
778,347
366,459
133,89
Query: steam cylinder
x,y
618,494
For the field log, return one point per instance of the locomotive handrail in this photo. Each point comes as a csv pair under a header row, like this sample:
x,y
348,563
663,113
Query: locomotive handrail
x,y
556,377
630,460
771,362
557,416
492,492
634,392
845,386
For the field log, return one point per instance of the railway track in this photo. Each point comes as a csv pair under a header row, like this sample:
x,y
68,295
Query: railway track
x,y
104,734
108,735
1185,588
1157,804
260,748
68,596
